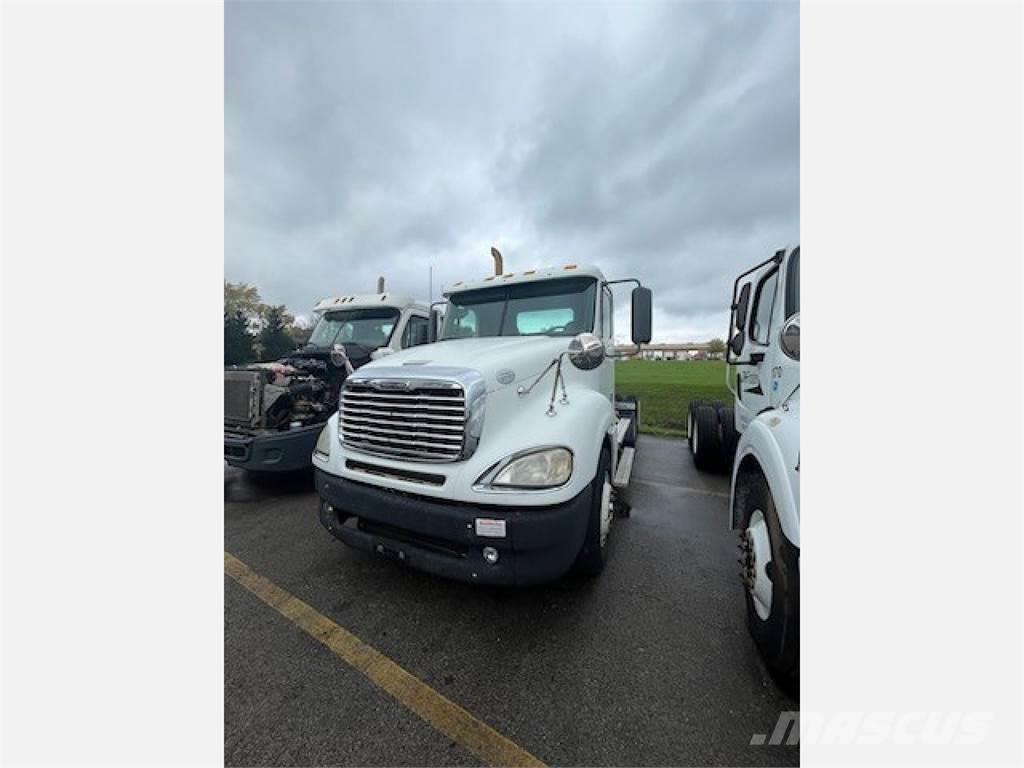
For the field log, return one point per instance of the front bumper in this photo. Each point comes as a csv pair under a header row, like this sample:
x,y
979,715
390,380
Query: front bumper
x,y
274,452
540,543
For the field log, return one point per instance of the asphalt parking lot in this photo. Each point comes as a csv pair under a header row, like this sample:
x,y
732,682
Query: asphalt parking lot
x,y
650,664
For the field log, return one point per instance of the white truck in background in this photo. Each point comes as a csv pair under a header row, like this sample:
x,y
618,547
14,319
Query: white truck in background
x,y
274,411
759,439
493,455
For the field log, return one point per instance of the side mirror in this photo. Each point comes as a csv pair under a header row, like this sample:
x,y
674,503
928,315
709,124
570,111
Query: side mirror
x,y
586,351
742,304
641,310
435,321
736,342
789,338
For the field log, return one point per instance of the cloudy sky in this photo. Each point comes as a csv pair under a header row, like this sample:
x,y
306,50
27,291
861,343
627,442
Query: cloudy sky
x,y
656,140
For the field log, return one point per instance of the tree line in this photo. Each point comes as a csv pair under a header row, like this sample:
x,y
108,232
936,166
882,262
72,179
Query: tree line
x,y
254,330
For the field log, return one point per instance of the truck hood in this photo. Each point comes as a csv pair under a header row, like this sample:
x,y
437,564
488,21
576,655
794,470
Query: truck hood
x,y
523,356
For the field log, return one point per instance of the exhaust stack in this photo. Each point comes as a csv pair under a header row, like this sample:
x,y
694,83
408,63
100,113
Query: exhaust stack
x,y
380,285
498,263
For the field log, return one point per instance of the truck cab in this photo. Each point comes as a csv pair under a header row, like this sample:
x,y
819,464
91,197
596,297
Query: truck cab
x,y
494,454
274,411
764,355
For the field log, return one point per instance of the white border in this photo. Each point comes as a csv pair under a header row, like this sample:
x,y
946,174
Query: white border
x,y
112,255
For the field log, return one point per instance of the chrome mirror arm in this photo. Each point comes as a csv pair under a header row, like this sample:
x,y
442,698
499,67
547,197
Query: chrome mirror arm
x,y
558,382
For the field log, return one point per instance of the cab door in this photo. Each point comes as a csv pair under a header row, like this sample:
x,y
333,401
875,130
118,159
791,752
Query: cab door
x,y
749,351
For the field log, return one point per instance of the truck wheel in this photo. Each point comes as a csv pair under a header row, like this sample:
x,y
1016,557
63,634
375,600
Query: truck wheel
x,y
690,410
706,440
730,437
634,421
591,558
771,576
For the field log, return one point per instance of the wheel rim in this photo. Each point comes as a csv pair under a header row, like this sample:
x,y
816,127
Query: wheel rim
x,y
606,509
755,566
695,431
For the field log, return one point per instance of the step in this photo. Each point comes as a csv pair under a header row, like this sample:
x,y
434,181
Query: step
x,y
624,468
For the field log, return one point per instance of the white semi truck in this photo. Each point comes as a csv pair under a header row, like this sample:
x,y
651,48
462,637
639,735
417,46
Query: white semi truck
x,y
274,411
493,455
763,451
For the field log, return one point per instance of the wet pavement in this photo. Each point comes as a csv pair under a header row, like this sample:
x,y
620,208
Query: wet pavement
x,y
649,664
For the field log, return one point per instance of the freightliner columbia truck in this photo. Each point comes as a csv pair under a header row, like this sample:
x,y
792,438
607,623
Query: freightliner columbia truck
x,y
494,455
274,412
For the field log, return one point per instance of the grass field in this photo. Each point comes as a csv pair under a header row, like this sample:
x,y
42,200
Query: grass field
x,y
665,387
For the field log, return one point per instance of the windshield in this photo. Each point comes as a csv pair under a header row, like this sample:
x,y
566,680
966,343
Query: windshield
x,y
368,327
563,307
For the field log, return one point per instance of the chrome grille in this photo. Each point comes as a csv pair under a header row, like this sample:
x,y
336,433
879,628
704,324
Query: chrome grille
x,y
424,420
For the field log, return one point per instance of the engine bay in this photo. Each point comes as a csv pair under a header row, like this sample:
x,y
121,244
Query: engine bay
x,y
294,392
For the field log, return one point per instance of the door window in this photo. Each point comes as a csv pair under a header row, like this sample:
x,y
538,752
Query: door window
x,y
415,332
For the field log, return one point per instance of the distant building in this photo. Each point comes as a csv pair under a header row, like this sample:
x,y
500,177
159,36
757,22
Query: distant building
x,y
684,351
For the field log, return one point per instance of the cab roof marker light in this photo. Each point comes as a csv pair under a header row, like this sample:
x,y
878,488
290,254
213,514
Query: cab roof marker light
x,y
569,266
530,272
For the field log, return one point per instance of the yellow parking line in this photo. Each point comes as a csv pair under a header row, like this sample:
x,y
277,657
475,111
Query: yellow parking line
x,y
437,710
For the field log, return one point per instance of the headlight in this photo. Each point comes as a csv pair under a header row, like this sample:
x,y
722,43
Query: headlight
x,y
543,468
323,443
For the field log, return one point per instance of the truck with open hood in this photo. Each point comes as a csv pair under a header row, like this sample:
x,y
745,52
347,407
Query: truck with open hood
x,y
497,454
274,411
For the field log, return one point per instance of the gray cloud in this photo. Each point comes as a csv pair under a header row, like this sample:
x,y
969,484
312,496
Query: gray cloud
x,y
657,141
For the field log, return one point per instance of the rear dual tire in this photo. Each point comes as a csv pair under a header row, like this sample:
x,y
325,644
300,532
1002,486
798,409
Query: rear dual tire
x,y
713,437
691,408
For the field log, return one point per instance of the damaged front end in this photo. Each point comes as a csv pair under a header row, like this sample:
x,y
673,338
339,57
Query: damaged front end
x,y
273,412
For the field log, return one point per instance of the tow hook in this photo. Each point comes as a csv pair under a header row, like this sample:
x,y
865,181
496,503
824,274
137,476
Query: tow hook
x,y
389,553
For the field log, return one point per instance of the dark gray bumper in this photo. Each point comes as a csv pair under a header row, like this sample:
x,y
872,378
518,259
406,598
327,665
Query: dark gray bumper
x,y
276,452
439,537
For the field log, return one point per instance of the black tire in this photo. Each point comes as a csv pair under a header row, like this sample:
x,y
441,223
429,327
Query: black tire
x,y
691,408
730,437
634,421
707,439
778,635
593,553
717,405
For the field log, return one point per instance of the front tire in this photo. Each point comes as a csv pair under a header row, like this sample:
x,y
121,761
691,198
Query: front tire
x,y
593,554
771,577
